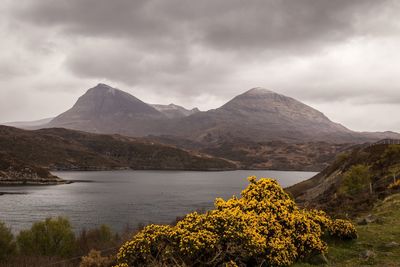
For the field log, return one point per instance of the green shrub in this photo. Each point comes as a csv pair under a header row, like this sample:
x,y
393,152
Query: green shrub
x,y
356,179
98,238
7,244
52,237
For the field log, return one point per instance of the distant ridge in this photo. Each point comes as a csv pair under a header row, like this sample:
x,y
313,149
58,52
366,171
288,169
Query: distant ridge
x,y
174,111
63,149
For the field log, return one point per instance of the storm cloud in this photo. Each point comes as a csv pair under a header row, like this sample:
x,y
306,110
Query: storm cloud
x,y
340,56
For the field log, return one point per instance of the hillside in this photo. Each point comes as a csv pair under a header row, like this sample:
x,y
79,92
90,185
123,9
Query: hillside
x,y
354,182
62,149
272,155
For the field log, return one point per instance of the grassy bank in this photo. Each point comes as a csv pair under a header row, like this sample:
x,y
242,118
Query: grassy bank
x,y
375,238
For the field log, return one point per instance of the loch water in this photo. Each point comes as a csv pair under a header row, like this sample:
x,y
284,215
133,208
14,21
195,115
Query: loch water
x,y
121,198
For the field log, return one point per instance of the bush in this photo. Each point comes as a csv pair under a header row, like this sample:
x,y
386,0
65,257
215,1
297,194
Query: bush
x,y
340,229
7,244
52,237
263,227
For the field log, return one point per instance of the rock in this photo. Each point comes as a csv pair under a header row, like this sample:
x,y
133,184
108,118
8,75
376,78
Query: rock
x,y
367,254
369,219
392,244
362,222
319,259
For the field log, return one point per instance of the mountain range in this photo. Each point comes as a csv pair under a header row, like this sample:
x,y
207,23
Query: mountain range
x,y
258,115
258,129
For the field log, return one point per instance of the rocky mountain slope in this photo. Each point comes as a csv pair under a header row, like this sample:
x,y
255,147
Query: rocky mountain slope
x,y
62,149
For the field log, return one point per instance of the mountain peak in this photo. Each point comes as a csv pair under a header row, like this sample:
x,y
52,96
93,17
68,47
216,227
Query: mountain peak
x,y
101,87
258,91
108,110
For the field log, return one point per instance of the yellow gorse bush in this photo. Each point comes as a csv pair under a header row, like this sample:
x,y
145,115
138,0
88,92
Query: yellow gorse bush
x,y
264,226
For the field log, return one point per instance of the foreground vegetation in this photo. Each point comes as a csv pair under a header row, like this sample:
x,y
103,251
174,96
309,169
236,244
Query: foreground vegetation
x,y
262,228
53,243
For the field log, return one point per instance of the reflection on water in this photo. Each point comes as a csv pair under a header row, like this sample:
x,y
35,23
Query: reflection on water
x,y
120,197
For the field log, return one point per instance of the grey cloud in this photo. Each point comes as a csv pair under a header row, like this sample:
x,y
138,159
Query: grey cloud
x,y
191,51
220,24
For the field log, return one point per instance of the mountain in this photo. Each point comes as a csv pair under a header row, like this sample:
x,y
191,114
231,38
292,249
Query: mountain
x,y
103,109
173,111
263,115
259,115
63,149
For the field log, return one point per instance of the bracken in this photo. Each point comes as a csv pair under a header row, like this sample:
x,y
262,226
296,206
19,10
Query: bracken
x,y
263,227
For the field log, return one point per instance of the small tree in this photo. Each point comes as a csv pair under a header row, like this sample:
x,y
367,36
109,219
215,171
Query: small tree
x,y
52,237
7,244
97,238
356,179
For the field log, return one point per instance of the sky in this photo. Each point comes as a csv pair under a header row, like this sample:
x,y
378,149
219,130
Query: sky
x,y
341,57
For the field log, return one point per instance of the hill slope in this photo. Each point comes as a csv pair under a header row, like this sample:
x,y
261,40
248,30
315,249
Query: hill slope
x,y
62,149
354,182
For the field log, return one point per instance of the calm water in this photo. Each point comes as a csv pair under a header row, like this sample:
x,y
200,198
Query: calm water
x,y
120,197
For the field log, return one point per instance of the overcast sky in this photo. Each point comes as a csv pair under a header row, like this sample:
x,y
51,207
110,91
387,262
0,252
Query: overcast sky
x,y
339,56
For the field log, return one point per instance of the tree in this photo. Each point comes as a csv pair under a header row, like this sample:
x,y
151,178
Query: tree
x,y
7,244
52,237
356,179
98,238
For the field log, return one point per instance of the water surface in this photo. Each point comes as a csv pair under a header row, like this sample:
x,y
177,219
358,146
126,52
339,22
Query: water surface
x,y
117,198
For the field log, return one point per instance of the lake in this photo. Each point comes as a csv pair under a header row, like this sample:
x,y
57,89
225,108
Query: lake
x,y
118,198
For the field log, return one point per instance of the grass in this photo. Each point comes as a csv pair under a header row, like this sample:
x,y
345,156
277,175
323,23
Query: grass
x,y
374,237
